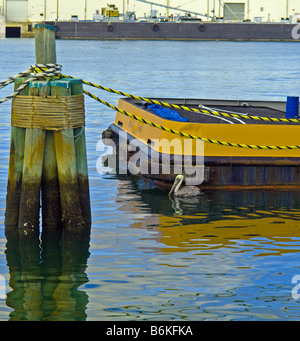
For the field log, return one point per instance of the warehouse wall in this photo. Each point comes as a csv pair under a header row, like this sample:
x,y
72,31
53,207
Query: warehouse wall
x,y
39,10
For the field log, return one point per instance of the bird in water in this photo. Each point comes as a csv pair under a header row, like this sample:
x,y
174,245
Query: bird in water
x,y
187,191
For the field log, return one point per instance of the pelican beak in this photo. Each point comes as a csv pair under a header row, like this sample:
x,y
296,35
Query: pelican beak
x,y
172,189
174,185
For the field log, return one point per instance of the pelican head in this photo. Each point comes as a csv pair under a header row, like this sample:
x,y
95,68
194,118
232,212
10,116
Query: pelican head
x,y
176,185
185,192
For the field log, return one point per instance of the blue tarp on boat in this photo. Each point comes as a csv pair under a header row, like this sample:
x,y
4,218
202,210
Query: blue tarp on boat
x,y
167,113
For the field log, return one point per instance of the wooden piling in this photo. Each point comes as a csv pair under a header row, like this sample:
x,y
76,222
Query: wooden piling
x,y
49,159
66,163
15,171
32,166
31,179
82,173
51,210
14,183
45,50
45,53
81,163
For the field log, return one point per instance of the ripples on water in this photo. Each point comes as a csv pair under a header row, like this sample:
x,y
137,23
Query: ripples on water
x,y
227,256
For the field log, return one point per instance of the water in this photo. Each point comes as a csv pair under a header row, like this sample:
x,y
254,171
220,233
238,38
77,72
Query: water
x,y
228,256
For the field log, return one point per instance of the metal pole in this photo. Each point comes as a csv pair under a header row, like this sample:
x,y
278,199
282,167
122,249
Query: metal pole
x,y
207,12
175,8
167,9
57,9
248,9
214,16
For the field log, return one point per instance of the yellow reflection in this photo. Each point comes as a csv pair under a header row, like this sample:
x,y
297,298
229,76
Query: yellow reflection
x,y
274,230
217,234
180,236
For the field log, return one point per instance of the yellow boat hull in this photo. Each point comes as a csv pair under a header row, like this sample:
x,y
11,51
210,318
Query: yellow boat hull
x,y
225,166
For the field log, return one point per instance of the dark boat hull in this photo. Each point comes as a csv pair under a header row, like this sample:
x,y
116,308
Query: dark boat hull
x,y
218,173
173,30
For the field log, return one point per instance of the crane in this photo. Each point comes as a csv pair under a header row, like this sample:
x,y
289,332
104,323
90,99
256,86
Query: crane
x,y
175,8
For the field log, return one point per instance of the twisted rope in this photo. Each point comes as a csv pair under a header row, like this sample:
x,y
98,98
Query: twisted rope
x,y
184,134
35,72
204,110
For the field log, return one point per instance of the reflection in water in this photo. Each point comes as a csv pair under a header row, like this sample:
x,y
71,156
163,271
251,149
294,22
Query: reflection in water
x,y
214,258
230,255
217,218
45,275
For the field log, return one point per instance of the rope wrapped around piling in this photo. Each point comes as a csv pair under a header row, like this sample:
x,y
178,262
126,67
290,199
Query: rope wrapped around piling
x,y
48,112
35,72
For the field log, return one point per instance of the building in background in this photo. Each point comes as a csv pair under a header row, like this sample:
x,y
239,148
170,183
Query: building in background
x,y
40,10
25,13
2,27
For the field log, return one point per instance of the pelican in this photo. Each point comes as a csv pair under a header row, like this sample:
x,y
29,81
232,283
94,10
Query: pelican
x,y
187,191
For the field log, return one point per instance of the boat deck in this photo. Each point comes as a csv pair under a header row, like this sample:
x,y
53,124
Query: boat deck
x,y
261,109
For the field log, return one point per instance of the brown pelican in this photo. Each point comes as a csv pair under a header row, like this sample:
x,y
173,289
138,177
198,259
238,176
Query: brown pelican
x,y
187,191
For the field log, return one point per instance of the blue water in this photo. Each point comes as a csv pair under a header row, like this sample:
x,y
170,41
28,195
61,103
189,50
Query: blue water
x,y
229,256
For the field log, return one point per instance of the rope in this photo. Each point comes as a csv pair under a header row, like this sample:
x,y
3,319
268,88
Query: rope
x,y
53,70
76,137
187,135
176,106
12,78
34,72
50,113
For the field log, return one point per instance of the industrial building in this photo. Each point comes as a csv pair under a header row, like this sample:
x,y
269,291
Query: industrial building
x,y
21,15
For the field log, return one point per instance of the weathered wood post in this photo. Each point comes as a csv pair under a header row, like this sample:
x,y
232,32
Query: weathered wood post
x,y
45,52
15,171
48,150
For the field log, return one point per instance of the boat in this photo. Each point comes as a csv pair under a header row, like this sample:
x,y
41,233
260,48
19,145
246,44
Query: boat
x,y
215,144
233,26
175,30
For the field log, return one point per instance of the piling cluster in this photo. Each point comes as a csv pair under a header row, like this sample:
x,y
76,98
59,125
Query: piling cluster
x,y
48,162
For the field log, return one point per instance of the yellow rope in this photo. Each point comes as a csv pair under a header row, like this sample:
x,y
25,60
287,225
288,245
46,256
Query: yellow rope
x,y
187,135
177,106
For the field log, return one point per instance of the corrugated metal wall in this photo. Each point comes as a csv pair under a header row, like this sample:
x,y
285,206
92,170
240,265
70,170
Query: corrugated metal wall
x,y
16,10
234,11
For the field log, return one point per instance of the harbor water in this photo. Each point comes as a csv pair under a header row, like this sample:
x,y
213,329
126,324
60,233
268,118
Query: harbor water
x,y
229,255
